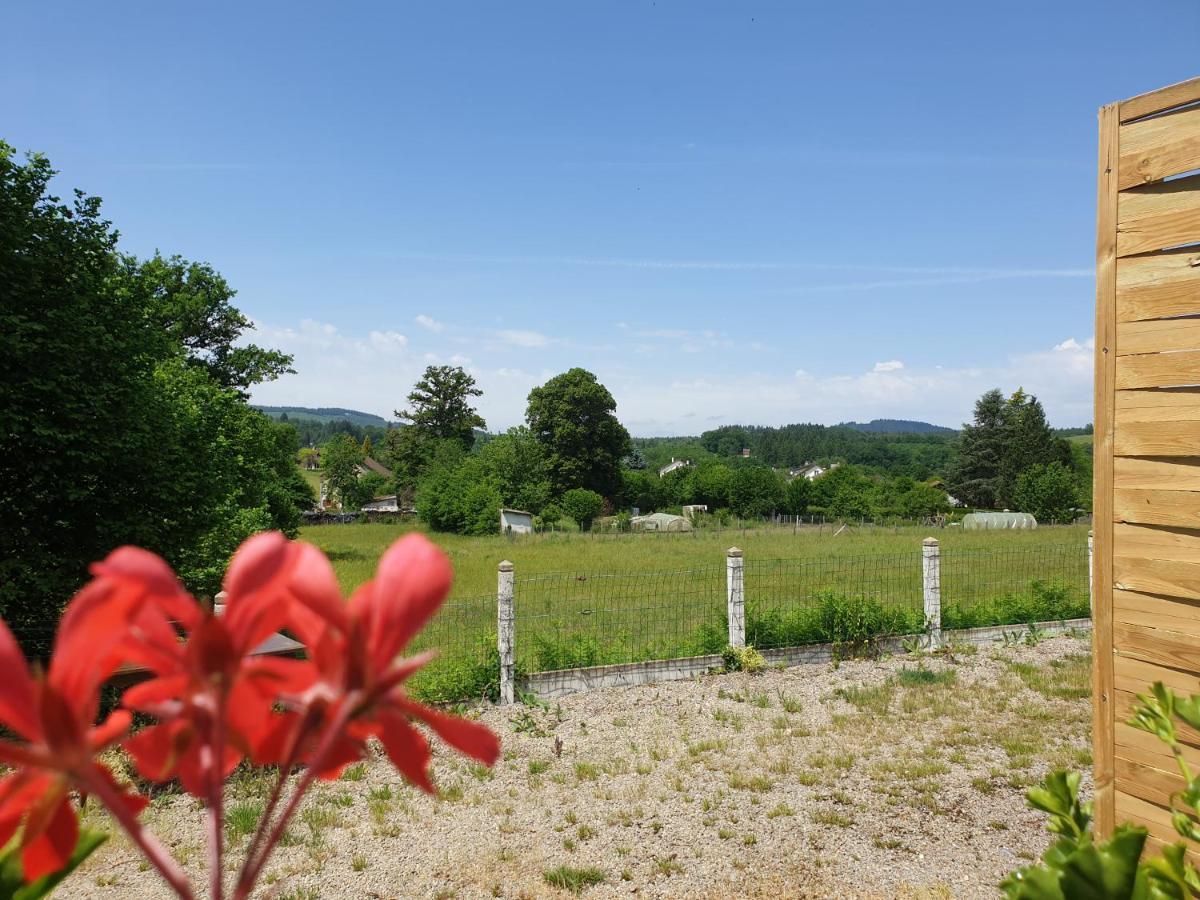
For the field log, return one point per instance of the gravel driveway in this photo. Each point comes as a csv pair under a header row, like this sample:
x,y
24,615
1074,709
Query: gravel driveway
x,y
895,777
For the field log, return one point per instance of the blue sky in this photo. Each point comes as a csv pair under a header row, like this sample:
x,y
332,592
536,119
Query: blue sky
x,y
730,212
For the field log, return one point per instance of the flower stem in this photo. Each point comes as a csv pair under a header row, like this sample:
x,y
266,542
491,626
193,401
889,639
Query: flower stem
x,y
253,868
156,854
216,805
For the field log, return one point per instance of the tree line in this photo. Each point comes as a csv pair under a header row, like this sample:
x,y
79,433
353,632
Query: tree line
x,y
123,414
572,459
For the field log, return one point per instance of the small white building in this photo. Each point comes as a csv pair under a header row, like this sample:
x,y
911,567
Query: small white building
x,y
811,472
387,503
674,464
516,521
694,510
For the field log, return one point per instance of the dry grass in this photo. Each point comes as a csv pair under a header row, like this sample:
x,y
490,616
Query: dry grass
x,y
901,775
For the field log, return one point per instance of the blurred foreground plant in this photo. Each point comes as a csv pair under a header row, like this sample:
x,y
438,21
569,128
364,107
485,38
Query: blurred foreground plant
x,y
214,701
1077,867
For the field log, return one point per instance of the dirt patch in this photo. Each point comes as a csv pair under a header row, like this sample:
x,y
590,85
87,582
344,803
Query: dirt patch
x,y
897,777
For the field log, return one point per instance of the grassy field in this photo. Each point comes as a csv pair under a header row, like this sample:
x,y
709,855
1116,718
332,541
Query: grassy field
x,y
355,549
592,600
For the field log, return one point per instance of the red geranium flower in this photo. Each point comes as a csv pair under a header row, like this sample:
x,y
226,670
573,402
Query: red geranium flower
x,y
55,714
209,690
356,648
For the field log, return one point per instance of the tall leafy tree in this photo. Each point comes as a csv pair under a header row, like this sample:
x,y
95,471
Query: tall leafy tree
x,y
573,416
191,306
440,405
755,491
111,430
1028,442
974,478
341,459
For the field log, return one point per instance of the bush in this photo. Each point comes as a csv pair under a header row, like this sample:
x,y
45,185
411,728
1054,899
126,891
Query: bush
x,y
575,651
583,506
830,618
743,659
1045,602
475,676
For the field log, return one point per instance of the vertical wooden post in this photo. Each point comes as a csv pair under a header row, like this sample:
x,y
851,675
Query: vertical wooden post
x,y
931,580
1103,724
1091,569
506,632
736,596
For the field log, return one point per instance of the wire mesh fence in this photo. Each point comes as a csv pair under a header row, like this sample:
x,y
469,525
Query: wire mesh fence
x,y
1013,585
467,663
792,602
567,620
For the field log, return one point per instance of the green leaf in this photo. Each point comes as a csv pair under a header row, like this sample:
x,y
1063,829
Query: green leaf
x,y
1106,871
12,882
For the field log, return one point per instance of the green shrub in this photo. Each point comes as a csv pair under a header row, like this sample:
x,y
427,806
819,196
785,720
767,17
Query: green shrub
x,y
1044,602
830,618
743,659
468,677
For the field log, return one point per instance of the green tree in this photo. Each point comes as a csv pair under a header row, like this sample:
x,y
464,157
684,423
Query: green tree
x,y
191,307
712,485
1048,492
573,417
796,496
1028,442
516,464
974,477
583,506
113,429
755,491
441,405
341,459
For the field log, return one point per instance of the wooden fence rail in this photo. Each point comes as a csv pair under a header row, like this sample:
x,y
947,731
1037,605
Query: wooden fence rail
x,y
1147,443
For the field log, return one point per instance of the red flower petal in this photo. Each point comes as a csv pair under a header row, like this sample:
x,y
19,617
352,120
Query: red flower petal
x,y
110,730
413,579
17,792
157,690
256,584
16,689
472,738
313,583
157,749
406,748
49,849
148,575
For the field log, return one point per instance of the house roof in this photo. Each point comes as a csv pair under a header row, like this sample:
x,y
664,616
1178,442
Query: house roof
x,y
377,467
519,512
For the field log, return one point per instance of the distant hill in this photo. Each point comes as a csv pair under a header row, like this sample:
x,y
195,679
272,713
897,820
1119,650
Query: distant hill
x,y
323,414
897,426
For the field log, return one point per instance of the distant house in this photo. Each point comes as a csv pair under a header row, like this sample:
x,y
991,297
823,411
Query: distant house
x,y
811,472
672,466
367,466
386,503
694,510
516,521
370,465
745,452
660,522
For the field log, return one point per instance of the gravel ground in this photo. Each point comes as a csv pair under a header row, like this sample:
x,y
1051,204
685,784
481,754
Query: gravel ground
x,y
875,778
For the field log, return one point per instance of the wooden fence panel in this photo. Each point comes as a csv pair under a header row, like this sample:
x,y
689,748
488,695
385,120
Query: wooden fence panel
x,y
1147,444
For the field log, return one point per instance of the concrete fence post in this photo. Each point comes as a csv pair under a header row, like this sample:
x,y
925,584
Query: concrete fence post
x,y
735,593
1091,569
506,632
931,577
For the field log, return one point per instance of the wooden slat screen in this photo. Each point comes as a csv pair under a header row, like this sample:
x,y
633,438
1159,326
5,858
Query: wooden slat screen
x,y
1147,484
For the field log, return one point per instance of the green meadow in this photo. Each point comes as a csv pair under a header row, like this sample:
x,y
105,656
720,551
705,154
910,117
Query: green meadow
x,y
596,599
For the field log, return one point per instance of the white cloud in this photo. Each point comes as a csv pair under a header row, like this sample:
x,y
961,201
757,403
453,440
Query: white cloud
x,y
388,340
430,323
375,371
519,338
